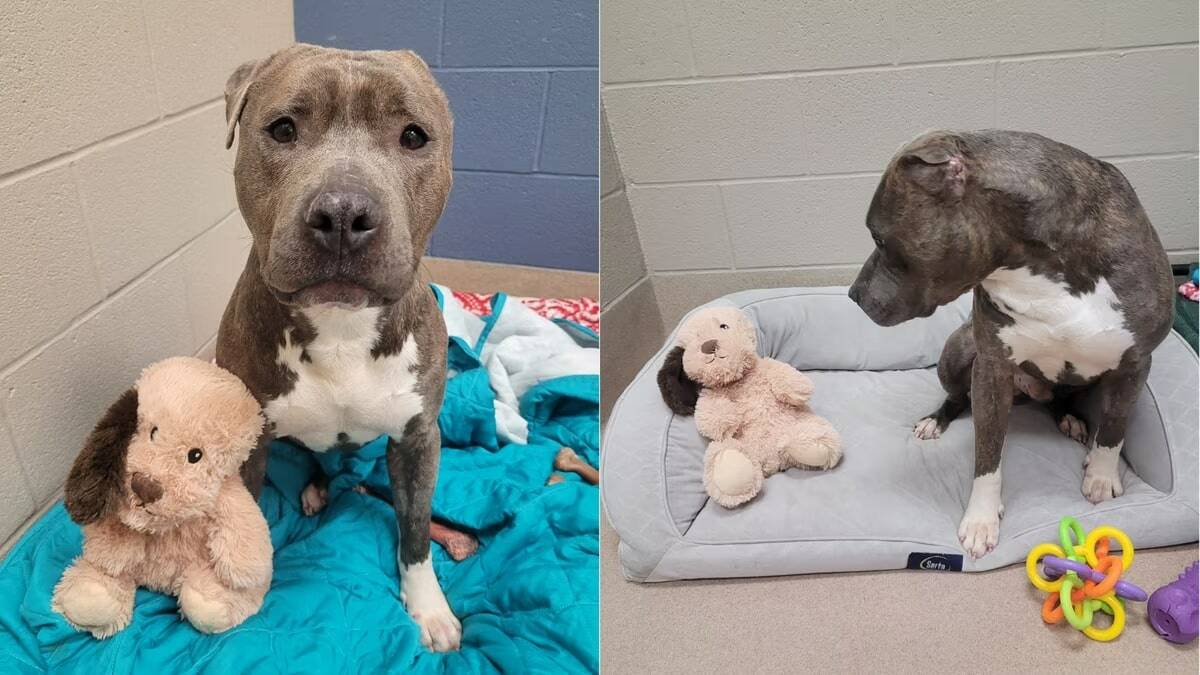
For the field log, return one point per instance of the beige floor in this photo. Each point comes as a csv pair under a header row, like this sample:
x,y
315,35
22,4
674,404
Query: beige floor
x,y
895,622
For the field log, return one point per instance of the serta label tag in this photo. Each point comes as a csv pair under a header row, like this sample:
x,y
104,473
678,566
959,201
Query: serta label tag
x,y
938,562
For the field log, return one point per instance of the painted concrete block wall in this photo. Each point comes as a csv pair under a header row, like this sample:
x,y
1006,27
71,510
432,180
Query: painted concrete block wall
x,y
627,297
522,81
122,240
751,135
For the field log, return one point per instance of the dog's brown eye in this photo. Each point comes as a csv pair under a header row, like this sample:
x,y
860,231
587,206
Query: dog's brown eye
x,y
413,137
283,130
153,431
194,455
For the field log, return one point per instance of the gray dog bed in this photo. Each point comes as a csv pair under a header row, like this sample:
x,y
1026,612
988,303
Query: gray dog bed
x,y
894,501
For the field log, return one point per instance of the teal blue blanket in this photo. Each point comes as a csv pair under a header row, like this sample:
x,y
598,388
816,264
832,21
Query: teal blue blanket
x,y
528,600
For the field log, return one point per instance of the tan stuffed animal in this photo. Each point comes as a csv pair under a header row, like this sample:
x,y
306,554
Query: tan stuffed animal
x,y
158,493
753,409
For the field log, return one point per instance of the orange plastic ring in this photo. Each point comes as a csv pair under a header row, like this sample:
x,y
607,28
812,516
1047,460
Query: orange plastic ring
x,y
1112,567
1051,612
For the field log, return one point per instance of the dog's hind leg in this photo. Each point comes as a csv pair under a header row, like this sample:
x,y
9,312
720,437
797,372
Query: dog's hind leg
x,y
954,372
316,494
254,469
1067,417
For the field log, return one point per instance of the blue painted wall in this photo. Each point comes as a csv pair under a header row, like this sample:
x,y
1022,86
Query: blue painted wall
x,y
522,81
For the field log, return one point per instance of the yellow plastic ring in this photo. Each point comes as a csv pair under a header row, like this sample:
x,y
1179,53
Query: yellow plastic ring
x,y
1113,606
1031,561
1089,546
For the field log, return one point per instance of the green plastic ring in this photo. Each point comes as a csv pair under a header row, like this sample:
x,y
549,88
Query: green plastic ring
x,y
1080,622
1066,527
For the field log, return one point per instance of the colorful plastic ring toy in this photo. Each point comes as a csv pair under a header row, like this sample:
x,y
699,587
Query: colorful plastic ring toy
x,y
1089,545
1112,606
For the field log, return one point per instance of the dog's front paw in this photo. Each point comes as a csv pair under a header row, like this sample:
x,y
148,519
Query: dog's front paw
x,y
313,499
927,429
423,597
1101,475
979,533
1074,428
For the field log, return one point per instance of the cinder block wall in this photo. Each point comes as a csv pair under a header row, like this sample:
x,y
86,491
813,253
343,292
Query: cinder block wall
x,y
121,236
751,135
521,79
627,300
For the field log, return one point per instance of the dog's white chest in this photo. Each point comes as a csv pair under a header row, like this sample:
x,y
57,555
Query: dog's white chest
x,y
342,393
1052,328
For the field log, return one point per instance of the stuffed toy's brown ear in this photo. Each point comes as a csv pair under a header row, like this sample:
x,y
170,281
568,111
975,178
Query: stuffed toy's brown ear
x,y
678,390
97,477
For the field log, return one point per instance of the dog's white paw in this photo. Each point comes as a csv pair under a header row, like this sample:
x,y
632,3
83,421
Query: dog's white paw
x,y
927,429
423,597
979,529
313,499
1074,428
1101,474
979,533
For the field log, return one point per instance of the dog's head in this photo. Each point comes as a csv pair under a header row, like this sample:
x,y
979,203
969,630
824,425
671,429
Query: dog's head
x,y
927,251
343,168
715,347
159,455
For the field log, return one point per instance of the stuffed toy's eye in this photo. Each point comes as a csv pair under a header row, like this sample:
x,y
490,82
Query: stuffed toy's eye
x,y
194,455
153,431
724,326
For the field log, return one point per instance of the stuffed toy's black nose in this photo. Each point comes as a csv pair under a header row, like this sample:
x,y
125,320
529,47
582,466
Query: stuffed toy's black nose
x,y
709,347
146,488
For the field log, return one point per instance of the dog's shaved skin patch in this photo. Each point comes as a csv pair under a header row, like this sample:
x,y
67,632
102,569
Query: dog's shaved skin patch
x,y
343,393
1082,336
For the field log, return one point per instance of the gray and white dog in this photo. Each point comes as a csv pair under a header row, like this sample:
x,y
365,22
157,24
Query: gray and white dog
x,y
1072,292
342,170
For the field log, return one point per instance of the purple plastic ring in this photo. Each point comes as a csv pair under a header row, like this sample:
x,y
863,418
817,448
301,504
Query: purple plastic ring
x,y
1056,567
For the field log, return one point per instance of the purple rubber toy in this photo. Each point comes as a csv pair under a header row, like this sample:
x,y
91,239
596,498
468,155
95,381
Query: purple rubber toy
x,y
1174,609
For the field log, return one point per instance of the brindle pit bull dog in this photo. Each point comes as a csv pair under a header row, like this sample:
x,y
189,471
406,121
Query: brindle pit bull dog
x,y
1072,292
343,167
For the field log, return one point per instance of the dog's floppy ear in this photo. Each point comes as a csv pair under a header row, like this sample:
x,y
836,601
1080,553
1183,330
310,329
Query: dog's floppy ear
x,y
936,164
237,88
97,478
678,390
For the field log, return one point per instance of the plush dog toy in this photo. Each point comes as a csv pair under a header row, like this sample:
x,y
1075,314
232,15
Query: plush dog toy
x,y
158,493
754,410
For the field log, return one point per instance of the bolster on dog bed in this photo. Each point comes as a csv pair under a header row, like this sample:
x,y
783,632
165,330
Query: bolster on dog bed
x,y
895,501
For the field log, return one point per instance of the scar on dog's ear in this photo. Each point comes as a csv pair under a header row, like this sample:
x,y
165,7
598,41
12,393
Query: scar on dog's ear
x,y
937,167
237,88
97,478
678,390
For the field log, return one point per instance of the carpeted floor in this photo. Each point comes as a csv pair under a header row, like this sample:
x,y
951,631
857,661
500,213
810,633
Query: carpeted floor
x,y
895,622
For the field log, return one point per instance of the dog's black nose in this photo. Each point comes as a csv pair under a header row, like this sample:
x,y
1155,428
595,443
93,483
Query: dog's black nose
x,y
854,293
342,220
146,488
709,347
